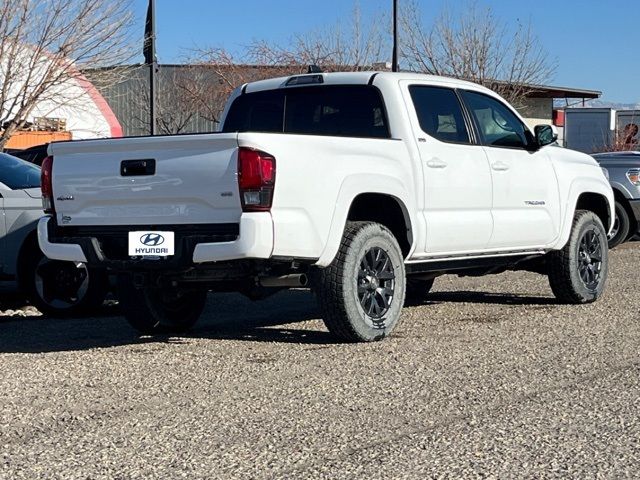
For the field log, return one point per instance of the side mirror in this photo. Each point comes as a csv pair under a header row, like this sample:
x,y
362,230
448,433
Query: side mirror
x,y
545,134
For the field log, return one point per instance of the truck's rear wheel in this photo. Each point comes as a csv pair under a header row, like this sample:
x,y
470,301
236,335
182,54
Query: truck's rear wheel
x,y
361,293
160,310
578,272
621,226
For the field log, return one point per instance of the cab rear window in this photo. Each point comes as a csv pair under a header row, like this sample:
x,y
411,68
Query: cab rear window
x,y
341,111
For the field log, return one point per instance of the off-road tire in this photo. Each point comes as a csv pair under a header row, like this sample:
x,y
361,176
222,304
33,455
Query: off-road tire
x,y
564,273
341,291
417,291
159,311
624,226
92,298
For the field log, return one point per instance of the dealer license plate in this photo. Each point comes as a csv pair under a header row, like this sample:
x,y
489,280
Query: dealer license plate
x,y
151,244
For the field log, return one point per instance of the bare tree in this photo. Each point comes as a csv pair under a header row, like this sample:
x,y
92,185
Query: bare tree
x,y
358,46
43,44
354,46
473,44
626,138
186,95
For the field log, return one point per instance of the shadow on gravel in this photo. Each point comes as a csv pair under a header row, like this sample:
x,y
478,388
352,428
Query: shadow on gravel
x,y
488,298
226,317
277,335
11,300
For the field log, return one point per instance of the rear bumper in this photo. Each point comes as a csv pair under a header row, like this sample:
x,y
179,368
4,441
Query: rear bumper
x,y
195,244
57,251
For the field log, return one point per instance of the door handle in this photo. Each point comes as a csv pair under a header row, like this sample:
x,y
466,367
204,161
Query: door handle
x,y
134,168
500,166
436,163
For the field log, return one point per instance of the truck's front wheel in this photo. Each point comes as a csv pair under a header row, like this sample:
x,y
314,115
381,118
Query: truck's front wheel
x,y
362,292
578,272
159,310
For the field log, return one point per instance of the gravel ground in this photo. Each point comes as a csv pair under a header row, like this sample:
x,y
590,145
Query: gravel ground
x,y
490,378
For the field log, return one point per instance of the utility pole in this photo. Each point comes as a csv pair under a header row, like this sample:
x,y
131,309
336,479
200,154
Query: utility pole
x,y
151,60
394,60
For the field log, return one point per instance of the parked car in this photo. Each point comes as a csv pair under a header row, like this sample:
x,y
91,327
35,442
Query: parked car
x,y
365,186
56,288
624,175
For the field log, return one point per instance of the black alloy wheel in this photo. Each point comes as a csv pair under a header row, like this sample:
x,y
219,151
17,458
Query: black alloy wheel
x,y
590,259
376,283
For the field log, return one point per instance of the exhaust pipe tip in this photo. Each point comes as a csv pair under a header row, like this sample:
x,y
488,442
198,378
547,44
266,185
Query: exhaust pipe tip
x,y
299,280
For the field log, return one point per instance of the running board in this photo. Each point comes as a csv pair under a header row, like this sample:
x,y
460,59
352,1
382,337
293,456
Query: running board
x,y
470,262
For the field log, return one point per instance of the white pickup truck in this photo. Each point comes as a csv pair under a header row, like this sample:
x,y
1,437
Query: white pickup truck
x,y
363,186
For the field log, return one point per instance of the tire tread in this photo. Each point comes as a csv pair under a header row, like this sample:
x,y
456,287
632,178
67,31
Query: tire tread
x,y
331,290
560,265
330,286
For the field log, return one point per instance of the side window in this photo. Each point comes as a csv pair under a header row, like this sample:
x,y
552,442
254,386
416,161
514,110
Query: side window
x,y
498,125
439,113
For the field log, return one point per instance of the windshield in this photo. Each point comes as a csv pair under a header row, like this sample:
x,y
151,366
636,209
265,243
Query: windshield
x,y
18,174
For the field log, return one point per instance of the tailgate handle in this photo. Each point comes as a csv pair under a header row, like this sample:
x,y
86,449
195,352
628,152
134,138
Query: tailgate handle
x,y
135,168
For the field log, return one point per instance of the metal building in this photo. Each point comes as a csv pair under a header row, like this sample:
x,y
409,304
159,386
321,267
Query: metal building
x,y
180,88
191,97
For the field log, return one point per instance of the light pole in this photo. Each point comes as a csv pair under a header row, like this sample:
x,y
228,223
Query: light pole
x,y
394,59
151,60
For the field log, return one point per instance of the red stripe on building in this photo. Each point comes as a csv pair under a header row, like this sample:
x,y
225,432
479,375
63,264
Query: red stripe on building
x,y
101,103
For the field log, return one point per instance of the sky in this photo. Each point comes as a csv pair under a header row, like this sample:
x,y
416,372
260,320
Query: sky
x,y
594,42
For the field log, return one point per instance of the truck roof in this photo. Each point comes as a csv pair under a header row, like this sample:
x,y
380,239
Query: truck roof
x,y
356,78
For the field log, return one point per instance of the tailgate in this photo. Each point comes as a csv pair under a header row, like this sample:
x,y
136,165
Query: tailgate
x,y
162,180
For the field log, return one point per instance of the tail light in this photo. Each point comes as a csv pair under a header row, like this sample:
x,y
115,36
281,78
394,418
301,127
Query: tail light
x,y
256,179
46,185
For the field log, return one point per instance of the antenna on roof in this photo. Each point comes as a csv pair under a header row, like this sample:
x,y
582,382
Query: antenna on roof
x,y
314,69
394,60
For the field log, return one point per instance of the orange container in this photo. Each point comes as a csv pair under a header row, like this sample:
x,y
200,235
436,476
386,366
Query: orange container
x,y
22,140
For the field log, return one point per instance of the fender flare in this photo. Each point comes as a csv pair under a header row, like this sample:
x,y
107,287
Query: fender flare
x,y
580,186
350,189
